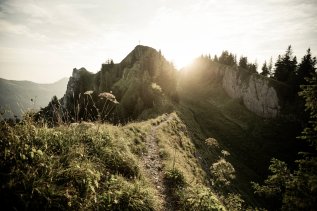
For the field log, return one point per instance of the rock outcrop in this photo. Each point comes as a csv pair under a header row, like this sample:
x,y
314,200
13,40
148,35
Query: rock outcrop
x,y
255,91
261,95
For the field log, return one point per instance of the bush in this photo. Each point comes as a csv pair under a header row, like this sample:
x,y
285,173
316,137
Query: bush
x,y
122,195
234,202
175,178
222,172
198,198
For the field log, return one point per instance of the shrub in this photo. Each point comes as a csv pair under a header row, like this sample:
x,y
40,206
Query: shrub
x,y
198,198
122,195
223,172
175,178
234,202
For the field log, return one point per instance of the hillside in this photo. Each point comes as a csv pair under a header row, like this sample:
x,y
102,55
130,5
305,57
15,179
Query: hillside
x,y
150,165
193,140
15,96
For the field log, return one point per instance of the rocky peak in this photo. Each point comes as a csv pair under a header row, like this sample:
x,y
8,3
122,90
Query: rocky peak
x,y
73,84
130,81
137,53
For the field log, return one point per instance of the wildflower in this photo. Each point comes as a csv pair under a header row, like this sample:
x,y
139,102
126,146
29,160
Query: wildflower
x,y
88,92
225,153
156,87
109,96
212,142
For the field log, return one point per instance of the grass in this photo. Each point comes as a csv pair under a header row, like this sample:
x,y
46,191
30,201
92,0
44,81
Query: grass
x,y
208,112
70,168
91,166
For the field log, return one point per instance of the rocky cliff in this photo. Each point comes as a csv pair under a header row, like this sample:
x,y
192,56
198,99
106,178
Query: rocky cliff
x,y
261,95
256,92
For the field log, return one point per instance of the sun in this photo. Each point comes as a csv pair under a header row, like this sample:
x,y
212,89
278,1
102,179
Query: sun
x,y
182,59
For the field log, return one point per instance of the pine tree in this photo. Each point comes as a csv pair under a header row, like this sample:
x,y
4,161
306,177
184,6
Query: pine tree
x,y
270,67
227,58
297,190
306,68
243,62
265,70
252,67
285,67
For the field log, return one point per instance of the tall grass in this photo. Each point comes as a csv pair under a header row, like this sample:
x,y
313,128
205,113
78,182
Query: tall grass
x,y
68,168
96,166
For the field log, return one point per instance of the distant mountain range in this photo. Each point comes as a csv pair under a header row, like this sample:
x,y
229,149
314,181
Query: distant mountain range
x,y
17,97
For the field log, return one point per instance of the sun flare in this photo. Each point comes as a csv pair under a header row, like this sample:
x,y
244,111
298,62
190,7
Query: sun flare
x,y
181,59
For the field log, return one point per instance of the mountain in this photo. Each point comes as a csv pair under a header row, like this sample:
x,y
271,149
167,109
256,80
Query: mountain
x,y
194,139
140,82
243,111
17,97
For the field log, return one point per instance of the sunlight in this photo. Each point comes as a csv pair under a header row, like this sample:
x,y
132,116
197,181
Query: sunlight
x,y
180,61
180,57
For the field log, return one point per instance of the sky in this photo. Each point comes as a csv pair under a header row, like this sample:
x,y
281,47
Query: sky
x,y
43,40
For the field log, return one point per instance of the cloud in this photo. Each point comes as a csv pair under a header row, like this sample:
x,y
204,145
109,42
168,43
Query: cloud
x,y
85,33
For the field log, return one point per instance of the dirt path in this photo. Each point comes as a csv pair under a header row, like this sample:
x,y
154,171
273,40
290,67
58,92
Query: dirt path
x,y
154,168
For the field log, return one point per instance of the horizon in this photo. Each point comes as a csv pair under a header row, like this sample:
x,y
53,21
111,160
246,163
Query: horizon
x,y
43,41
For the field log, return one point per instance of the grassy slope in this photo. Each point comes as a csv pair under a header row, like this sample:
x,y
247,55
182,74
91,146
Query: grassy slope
x,y
252,141
103,166
100,166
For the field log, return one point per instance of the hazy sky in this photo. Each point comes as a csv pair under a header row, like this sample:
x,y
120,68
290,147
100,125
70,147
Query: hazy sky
x,y
44,40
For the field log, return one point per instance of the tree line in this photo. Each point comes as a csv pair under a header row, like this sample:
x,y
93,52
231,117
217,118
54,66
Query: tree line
x,y
286,68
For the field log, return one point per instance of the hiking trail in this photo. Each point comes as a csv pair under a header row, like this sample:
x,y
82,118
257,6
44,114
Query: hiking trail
x,y
153,165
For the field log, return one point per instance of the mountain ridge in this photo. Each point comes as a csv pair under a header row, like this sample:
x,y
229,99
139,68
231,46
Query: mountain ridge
x,y
15,96
212,92
179,136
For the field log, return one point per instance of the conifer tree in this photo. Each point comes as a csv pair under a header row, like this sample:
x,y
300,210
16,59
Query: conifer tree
x,y
270,67
243,62
285,67
252,67
306,68
265,70
216,58
227,58
297,190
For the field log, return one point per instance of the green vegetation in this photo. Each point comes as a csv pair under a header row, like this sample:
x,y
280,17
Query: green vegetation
x,y
190,147
217,122
95,166
70,167
296,189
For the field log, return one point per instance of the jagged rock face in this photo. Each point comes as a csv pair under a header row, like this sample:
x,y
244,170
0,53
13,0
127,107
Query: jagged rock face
x,y
71,87
255,92
258,94
75,84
